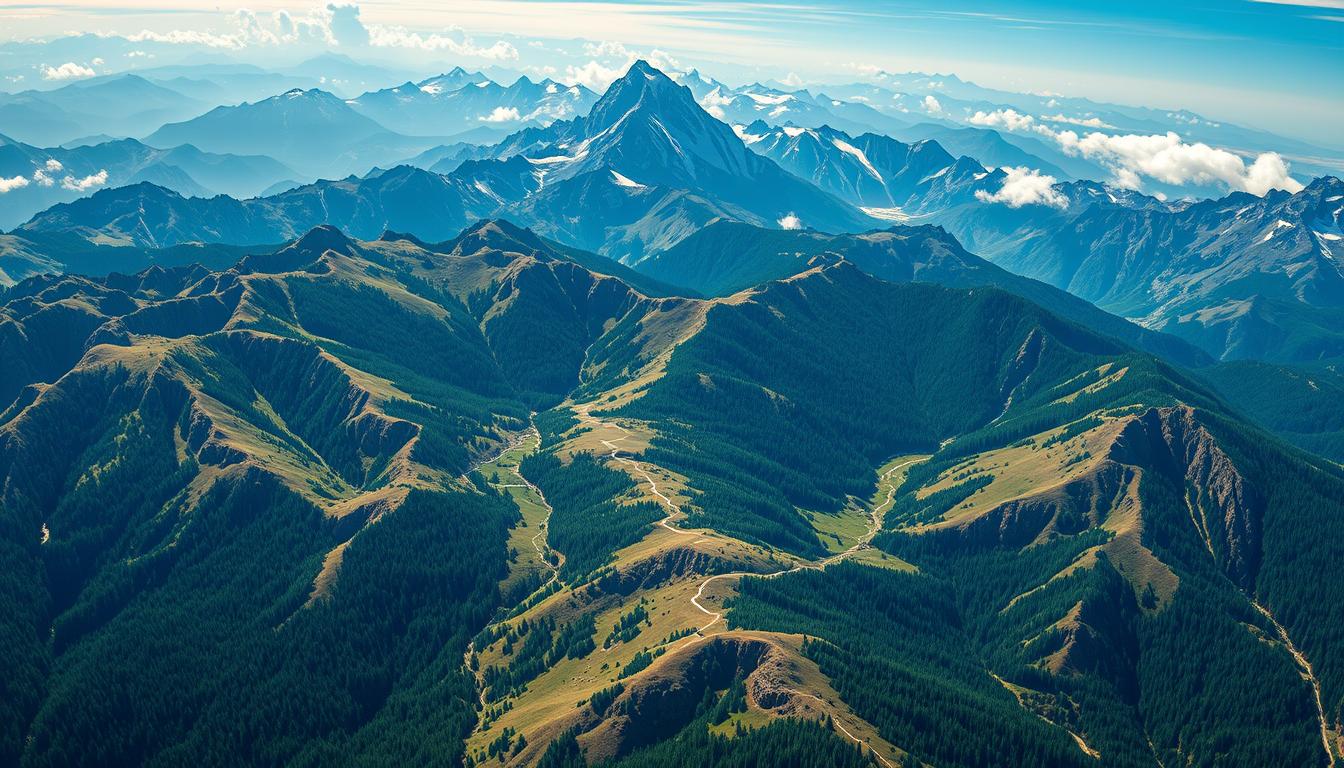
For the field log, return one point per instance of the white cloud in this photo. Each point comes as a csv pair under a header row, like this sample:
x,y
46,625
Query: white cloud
x,y
54,165
186,37
790,221
85,184
714,102
345,25
663,61
932,105
1170,160
502,115
1008,119
1086,122
11,184
607,48
792,80
1162,157
336,24
868,70
400,37
594,75
609,62
67,71
1025,186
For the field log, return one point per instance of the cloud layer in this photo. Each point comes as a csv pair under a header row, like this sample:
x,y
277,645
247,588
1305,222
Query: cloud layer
x,y
45,176
1166,158
336,24
1025,186
67,71
502,115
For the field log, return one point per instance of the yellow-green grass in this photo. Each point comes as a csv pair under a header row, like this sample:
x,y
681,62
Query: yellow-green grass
x,y
749,720
529,534
1024,469
557,692
838,531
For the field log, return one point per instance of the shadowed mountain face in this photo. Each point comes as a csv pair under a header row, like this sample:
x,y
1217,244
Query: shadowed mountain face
x,y
1007,539
726,257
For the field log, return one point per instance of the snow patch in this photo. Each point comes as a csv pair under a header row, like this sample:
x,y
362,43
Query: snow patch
x,y
747,138
858,154
793,132
767,99
1274,230
886,214
625,181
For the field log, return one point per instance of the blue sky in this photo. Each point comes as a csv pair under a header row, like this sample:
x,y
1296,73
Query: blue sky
x,y
1276,65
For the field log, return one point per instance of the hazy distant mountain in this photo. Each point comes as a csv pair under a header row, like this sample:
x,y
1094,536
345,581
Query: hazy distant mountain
x,y
343,75
119,105
903,94
998,150
315,132
79,170
460,101
648,166
778,106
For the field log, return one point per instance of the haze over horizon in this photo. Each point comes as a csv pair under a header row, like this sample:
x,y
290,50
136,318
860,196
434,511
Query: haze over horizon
x,y
1276,65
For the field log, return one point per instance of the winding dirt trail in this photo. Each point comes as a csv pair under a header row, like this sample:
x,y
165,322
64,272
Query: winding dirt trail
x,y
541,547
1304,666
875,517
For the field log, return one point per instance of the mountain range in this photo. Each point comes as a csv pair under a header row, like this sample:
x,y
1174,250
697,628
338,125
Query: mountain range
x,y
646,161
122,105
1240,277
459,101
59,174
829,519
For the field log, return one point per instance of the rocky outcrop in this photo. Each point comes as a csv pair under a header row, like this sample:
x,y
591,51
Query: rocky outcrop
x,y
1225,511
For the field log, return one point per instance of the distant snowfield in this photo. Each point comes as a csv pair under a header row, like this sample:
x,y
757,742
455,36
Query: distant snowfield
x,y
886,214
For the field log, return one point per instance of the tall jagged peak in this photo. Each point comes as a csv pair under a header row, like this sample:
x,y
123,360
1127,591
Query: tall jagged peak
x,y
643,85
